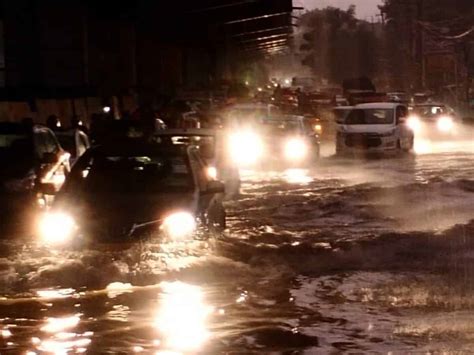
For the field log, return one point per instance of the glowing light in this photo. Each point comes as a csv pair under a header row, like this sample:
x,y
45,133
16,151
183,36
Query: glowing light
x,y
211,172
179,225
59,293
297,176
182,317
247,83
6,333
445,124
246,148
295,149
56,227
260,89
287,81
106,109
137,349
58,179
85,173
115,289
414,123
318,128
55,325
422,146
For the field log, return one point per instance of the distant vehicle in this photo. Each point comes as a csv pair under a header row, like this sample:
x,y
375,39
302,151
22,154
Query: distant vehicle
x,y
305,83
30,156
400,97
73,141
250,112
280,141
133,189
433,118
212,146
375,127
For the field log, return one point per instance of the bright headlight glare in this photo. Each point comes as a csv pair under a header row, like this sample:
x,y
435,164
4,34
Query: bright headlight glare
x,y
211,172
245,148
295,149
445,124
179,225
56,227
414,123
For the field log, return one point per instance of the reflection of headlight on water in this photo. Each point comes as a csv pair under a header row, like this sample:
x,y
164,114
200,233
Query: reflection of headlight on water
x,y
179,225
245,148
295,149
445,124
182,317
414,123
56,227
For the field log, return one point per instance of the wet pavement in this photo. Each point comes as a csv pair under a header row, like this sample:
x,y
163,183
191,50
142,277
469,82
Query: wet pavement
x,y
354,256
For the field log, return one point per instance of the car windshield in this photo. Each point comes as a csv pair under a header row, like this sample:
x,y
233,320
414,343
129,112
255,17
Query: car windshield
x,y
248,113
430,110
142,174
369,116
281,126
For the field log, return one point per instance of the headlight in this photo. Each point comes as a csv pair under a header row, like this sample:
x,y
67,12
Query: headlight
x,y
56,227
211,172
414,123
296,149
245,148
179,225
445,124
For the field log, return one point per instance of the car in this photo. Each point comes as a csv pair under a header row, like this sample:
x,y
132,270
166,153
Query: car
x,y
30,156
250,111
212,147
433,119
285,141
74,141
134,189
373,128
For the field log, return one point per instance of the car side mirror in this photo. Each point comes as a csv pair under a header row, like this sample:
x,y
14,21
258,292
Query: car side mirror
x,y
215,187
47,188
49,158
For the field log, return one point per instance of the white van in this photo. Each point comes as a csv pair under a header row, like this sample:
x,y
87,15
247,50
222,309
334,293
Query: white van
x,y
373,127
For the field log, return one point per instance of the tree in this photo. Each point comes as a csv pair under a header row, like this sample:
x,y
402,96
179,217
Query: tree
x,y
337,46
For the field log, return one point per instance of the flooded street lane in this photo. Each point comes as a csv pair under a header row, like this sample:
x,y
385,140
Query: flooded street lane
x,y
362,256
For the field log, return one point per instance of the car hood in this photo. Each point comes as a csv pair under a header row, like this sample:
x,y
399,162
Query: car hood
x,y
366,128
124,209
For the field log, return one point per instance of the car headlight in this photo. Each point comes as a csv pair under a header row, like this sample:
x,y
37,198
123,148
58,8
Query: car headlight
x,y
295,149
414,123
445,124
211,172
179,225
245,148
56,227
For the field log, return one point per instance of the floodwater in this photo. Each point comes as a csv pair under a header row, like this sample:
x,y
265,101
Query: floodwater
x,y
358,256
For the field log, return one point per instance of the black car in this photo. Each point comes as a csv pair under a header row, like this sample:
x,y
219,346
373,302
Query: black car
x,y
30,156
132,189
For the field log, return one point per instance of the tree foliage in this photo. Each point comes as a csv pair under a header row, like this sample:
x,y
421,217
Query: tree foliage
x,y
338,46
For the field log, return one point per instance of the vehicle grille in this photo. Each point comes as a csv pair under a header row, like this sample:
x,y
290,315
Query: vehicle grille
x,y
363,140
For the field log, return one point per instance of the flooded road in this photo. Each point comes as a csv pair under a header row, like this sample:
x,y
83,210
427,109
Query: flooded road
x,y
358,256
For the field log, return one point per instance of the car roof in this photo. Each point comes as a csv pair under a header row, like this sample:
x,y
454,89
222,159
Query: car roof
x,y
380,105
